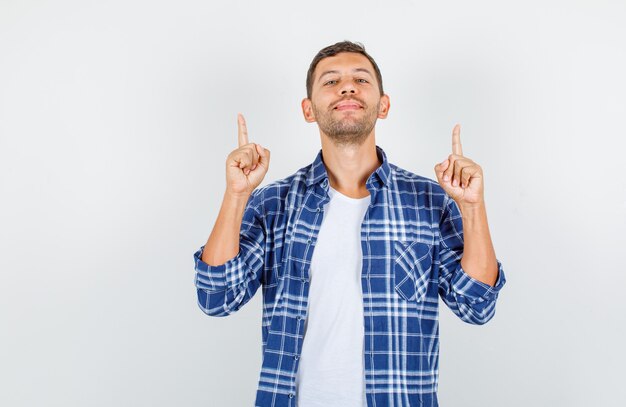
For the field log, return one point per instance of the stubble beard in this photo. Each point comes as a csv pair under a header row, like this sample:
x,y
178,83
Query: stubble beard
x,y
346,131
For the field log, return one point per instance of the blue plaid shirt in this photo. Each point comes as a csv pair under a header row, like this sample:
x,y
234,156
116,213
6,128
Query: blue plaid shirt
x,y
412,242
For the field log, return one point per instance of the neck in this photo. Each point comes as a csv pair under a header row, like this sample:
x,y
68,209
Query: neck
x,y
350,165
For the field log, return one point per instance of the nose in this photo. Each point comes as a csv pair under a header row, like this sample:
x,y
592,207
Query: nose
x,y
347,87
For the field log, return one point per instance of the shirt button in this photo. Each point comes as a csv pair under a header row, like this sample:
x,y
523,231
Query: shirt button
x,y
318,209
304,280
290,395
299,318
308,241
296,357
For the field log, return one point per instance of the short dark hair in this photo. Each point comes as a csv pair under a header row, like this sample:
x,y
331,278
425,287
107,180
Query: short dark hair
x,y
332,50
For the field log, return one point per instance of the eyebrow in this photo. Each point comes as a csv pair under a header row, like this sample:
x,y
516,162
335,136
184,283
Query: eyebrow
x,y
354,70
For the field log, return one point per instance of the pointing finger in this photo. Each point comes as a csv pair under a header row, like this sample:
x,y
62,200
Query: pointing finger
x,y
456,140
242,130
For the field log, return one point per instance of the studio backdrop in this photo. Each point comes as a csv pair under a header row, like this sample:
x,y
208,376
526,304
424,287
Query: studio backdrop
x,y
115,122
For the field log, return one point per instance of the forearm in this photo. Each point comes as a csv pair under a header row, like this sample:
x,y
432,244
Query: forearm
x,y
479,257
223,243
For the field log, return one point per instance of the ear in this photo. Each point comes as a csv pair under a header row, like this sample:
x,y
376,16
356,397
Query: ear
x,y
307,110
383,106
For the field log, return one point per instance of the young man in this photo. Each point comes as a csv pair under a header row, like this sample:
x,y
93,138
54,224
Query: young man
x,y
351,251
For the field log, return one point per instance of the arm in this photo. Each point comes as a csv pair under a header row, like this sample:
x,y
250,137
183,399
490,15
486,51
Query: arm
x,y
229,265
225,287
223,243
470,275
468,297
479,256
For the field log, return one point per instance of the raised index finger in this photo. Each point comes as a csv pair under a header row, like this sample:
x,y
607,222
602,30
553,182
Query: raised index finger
x,y
242,130
456,140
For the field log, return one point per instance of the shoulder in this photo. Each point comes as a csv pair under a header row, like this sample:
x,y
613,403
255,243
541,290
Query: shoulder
x,y
275,193
407,180
425,193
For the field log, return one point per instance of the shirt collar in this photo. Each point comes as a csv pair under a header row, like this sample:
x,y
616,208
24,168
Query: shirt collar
x,y
379,178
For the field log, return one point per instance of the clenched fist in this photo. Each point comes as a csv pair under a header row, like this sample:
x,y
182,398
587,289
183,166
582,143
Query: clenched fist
x,y
247,165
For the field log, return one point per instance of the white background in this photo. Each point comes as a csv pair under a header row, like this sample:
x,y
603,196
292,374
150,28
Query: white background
x,y
115,122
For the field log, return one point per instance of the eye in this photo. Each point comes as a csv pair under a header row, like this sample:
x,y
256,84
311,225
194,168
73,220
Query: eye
x,y
362,80
330,82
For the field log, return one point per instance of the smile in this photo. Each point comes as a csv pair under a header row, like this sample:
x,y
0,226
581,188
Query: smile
x,y
347,106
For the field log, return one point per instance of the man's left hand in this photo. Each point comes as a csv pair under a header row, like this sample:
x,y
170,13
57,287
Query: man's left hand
x,y
459,176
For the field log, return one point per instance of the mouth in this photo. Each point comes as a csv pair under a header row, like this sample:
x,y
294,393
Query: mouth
x,y
347,105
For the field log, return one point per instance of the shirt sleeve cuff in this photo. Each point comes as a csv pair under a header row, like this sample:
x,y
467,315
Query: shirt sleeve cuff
x,y
475,290
211,277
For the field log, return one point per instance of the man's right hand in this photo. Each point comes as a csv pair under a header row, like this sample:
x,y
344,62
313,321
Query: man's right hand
x,y
247,165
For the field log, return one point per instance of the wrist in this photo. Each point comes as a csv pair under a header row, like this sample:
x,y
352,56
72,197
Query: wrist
x,y
237,196
473,210
235,201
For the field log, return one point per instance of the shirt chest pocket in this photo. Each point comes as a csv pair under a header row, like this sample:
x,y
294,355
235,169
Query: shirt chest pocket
x,y
411,269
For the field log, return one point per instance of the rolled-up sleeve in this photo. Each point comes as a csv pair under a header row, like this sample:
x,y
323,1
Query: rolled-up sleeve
x,y
470,299
225,288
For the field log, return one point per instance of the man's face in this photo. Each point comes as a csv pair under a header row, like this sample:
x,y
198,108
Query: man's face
x,y
345,98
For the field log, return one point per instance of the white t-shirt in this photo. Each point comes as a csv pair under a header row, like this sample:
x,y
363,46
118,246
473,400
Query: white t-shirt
x,y
331,370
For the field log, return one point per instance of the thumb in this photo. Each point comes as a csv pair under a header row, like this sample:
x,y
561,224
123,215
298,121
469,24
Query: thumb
x,y
440,168
264,155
